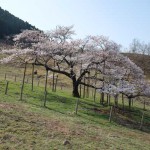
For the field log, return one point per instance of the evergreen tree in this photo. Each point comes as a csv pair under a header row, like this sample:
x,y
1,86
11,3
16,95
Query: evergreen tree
x,y
9,24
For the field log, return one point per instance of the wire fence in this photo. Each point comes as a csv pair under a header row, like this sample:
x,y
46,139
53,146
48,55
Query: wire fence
x,y
135,119
39,80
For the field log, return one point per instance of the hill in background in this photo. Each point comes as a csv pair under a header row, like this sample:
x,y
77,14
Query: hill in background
x,y
143,61
9,24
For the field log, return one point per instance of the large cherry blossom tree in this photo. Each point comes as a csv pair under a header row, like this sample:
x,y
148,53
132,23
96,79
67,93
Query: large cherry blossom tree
x,y
57,45
76,58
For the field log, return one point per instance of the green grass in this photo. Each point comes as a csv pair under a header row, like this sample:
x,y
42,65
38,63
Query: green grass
x,y
28,125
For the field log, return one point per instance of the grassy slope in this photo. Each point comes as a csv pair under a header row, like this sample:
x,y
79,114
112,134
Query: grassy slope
x,y
27,125
142,61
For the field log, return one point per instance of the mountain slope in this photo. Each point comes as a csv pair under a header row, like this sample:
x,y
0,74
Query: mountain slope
x,y
9,24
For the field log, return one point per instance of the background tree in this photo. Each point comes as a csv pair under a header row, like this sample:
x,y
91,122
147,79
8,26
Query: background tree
x,y
9,24
140,54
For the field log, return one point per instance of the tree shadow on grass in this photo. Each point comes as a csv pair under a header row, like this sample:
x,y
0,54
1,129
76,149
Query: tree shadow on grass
x,y
93,112
132,119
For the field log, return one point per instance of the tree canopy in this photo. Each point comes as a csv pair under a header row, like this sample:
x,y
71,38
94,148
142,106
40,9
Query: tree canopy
x,y
95,58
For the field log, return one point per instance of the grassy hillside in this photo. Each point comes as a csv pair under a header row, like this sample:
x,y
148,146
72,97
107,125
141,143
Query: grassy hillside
x,y
28,125
143,61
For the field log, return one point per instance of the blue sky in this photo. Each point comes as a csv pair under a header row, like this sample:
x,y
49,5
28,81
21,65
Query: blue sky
x,y
120,20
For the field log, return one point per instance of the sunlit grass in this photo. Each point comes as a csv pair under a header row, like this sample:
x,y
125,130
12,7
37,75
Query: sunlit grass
x,y
27,124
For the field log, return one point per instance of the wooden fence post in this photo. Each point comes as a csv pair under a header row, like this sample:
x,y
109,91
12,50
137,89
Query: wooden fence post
x,y
110,114
84,89
32,81
45,89
23,80
6,89
5,76
76,109
142,118
144,105
56,83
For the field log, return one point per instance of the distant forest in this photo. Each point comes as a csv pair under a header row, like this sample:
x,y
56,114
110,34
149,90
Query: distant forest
x,y
9,24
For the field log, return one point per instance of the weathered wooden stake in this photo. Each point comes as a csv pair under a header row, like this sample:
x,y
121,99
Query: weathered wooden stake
x,y
144,105
110,114
132,101
22,87
32,76
142,118
80,84
76,109
56,82
95,82
84,89
5,76
102,94
88,82
6,89
45,91
53,87
94,94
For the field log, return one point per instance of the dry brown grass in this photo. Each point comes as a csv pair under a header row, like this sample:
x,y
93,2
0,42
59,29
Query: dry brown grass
x,y
143,61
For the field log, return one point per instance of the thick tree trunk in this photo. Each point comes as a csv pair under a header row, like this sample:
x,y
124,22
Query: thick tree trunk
x,y
116,100
75,91
129,103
